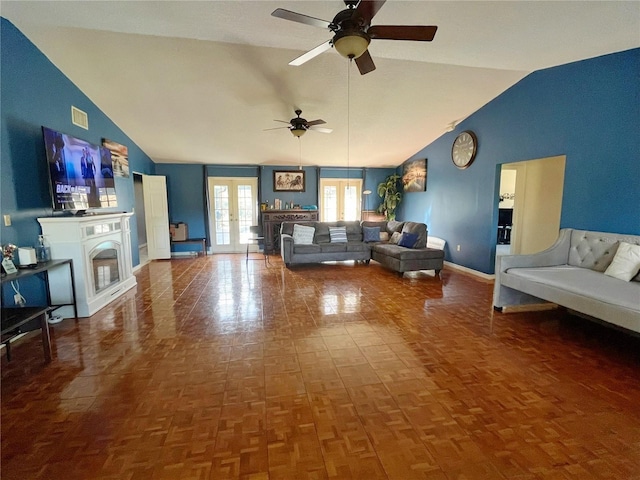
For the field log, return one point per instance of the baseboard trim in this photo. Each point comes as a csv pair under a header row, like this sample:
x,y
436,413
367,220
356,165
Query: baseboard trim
x,y
188,253
139,266
484,276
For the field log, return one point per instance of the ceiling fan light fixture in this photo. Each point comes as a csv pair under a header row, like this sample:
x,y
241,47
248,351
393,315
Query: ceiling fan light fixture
x,y
351,44
298,131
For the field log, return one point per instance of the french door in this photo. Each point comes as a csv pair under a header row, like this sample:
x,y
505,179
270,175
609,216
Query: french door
x,y
233,210
340,199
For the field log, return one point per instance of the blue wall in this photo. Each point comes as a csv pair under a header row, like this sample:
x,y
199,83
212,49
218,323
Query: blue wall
x,y
308,197
373,178
232,170
588,111
185,191
186,183
36,93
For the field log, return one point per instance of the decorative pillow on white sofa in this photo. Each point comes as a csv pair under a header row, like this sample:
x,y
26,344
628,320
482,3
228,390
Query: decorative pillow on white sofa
x,y
626,263
303,235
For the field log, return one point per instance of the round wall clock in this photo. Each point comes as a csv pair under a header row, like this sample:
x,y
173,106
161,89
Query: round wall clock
x,y
463,151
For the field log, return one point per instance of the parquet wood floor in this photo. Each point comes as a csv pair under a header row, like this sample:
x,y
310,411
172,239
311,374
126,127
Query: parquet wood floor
x,y
215,369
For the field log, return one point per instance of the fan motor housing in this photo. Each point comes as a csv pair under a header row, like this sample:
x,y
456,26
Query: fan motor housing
x,y
299,123
347,21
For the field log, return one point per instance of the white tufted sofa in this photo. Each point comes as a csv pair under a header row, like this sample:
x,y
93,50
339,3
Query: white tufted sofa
x,y
571,273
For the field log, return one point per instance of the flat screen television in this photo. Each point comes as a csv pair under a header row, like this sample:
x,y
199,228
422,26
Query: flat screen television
x,y
80,173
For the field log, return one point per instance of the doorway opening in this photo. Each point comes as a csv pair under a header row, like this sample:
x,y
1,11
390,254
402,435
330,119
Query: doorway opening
x,y
233,210
529,205
508,177
141,227
340,199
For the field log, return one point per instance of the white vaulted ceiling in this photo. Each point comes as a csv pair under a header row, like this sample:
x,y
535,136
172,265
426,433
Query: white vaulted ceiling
x,y
198,82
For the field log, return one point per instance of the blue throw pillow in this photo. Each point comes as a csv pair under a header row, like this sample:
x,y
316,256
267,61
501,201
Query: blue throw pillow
x,y
408,240
371,234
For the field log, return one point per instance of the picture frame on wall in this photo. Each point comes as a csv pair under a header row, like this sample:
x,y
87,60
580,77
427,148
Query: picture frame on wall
x,y
119,157
414,176
289,180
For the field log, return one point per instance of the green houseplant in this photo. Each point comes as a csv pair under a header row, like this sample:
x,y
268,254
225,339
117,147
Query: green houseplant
x,y
390,193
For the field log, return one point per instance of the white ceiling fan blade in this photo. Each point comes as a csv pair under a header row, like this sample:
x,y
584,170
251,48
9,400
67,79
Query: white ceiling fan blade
x,y
300,18
305,57
276,128
321,129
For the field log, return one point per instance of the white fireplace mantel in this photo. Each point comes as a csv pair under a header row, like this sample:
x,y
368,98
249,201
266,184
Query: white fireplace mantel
x,y
78,238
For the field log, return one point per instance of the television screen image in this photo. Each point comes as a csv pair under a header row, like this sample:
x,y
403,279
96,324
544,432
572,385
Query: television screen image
x,y
81,173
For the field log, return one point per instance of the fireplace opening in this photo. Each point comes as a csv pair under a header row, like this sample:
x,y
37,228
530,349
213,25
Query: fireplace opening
x,y
105,265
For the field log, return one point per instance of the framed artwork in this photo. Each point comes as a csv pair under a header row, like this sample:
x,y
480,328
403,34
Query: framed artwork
x,y
414,176
288,180
119,157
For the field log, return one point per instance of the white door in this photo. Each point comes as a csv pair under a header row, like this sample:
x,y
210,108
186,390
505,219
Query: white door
x,y
156,216
233,210
340,199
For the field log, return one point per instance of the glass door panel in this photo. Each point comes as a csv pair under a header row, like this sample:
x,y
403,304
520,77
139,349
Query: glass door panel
x,y
221,215
233,211
351,202
340,199
246,213
329,203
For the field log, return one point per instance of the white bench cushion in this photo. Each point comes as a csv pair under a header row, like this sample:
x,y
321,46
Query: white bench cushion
x,y
584,282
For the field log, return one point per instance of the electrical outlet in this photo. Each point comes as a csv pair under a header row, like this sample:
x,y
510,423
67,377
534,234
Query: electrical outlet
x,y
7,220
458,248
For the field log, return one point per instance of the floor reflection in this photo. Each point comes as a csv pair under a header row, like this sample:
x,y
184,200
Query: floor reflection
x,y
214,367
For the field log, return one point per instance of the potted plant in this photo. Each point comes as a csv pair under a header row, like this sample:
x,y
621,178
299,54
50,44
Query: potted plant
x,y
391,196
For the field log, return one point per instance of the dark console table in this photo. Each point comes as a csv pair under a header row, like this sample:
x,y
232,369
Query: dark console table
x,y
272,219
196,241
15,317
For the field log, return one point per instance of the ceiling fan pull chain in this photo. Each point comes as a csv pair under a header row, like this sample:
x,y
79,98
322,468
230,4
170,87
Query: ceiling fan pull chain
x,y
348,118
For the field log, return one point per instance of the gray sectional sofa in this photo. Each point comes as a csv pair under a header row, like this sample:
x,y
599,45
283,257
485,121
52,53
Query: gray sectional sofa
x,y
322,250
395,257
571,273
402,259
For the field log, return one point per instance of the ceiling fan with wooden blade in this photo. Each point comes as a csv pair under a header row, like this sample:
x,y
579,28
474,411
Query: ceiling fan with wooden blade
x,y
298,125
352,32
